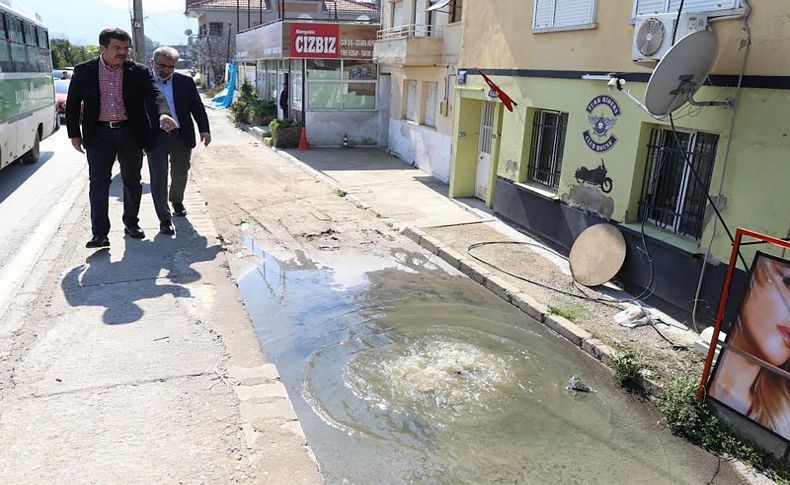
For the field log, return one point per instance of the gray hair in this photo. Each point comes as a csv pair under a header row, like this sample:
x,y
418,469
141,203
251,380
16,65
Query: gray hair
x,y
167,52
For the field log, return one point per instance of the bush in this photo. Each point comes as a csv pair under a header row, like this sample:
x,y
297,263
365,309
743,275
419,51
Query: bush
x,y
627,367
249,108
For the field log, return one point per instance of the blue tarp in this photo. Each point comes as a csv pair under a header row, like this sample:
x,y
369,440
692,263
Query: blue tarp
x,y
225,98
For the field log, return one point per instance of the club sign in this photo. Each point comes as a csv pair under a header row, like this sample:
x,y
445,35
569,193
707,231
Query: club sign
x,y
315,40
602,112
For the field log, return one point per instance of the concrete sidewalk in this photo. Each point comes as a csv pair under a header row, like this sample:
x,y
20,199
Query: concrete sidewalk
x,y
138,363
418,204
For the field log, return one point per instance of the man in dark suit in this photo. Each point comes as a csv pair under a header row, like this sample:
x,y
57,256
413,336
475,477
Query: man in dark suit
x,y
113,91
176,147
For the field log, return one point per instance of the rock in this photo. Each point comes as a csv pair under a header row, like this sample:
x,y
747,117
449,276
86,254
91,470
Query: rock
x,y
575,384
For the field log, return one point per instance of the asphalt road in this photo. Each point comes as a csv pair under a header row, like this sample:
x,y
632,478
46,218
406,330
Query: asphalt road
x,y
33,199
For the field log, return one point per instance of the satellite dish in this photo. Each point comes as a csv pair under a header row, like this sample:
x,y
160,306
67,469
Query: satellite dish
x,y
597,254
681,73
650,36
188,32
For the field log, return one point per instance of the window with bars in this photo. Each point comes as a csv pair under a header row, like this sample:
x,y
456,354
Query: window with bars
x,y
672,196
548,144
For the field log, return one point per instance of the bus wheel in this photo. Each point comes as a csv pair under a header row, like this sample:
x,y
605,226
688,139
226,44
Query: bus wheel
x,y
32,155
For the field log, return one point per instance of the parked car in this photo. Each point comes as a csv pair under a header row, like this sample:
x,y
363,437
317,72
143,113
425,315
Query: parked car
x,y
64,73
61,92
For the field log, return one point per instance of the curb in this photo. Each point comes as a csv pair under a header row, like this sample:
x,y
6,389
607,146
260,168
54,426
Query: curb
x,y
563,327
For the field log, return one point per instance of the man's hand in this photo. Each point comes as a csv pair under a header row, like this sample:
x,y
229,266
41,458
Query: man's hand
x,y
205,137
167,123
77,144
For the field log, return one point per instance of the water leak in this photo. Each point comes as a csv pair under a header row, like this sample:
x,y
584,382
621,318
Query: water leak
x,y
401,370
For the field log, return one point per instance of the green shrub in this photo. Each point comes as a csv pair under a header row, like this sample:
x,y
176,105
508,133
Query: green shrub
x,y
274,125
627,366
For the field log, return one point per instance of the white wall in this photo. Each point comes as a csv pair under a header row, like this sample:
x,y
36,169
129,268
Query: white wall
x,y
326,128
421,146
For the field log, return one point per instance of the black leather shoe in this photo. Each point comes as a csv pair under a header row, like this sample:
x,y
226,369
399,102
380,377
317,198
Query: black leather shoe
x,y
98,242
167,228
134,232
179,210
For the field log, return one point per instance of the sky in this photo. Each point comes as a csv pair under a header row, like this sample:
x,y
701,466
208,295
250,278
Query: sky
x,y
80,21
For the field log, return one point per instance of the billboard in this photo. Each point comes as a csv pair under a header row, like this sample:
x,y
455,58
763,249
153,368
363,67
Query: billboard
x,y
751,376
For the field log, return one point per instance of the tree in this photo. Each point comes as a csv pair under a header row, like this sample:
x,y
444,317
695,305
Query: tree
x,y
66,54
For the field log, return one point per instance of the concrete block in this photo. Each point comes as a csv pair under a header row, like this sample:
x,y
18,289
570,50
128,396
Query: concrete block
x,y
474,271
430,244
567,329
599,350
530,306
450,256
500,287
413,233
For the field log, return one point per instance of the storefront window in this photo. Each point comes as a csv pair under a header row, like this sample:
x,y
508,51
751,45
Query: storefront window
x,y
359,70
323,69
324,95
296,83
341,85
359,96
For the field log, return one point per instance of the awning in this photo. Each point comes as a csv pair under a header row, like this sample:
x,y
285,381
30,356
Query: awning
x,y
439,4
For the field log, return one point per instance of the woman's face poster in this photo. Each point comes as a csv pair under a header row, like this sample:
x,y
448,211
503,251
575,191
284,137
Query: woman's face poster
x,y
763,331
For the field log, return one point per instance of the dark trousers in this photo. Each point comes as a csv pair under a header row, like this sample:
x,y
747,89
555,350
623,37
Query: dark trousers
x,y
173,151
104,146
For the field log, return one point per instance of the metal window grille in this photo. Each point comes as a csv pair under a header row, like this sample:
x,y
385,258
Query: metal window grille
x,y
548,144
456,7
672,197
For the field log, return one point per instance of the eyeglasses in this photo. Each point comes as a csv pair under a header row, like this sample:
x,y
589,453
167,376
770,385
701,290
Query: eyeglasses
x,y
164,66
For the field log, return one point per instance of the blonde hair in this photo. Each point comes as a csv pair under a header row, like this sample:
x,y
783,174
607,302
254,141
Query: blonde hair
x,y
770,392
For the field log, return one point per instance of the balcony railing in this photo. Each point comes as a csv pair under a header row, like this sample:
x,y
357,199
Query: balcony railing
x,y
410,30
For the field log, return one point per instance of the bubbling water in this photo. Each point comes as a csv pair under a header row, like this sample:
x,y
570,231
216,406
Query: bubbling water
x,y
435,377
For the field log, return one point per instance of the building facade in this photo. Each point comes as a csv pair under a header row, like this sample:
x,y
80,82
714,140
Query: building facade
x,y
575,151
319,72
417,53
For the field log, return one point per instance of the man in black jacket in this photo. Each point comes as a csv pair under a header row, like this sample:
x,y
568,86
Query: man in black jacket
x,y
113,92
176,147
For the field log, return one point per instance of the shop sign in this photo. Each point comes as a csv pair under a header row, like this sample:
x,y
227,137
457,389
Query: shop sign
x,y
602,112
315,40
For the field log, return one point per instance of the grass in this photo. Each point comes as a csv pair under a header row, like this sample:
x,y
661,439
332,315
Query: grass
x,y
571,311
695,420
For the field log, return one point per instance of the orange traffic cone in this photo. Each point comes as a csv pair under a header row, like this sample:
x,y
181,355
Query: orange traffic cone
x,y
303,145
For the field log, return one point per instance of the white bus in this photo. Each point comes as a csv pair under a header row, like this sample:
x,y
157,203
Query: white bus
x,y
27,97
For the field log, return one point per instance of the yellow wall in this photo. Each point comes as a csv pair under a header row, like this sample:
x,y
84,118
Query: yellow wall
x,y
498,34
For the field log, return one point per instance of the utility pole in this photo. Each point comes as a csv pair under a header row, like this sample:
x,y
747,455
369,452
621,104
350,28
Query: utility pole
x,y
138,33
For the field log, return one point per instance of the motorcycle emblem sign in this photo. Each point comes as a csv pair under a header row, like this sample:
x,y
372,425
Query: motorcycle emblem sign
x,y
602,112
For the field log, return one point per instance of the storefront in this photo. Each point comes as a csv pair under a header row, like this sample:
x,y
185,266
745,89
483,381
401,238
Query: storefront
x,y
326,71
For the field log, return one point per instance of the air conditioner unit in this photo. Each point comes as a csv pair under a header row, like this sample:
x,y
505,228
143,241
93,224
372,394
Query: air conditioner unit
x,y
653,34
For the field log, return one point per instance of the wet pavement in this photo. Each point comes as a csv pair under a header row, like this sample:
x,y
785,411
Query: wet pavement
x,y
403,370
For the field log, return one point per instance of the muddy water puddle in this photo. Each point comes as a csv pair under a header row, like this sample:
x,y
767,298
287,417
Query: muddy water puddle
x,y
403,371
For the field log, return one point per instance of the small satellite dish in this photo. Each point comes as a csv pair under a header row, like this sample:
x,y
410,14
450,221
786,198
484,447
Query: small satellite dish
x,y
188,32
681,73
597,254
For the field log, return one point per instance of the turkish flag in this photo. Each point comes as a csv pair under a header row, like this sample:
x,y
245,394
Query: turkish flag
x,y
506,100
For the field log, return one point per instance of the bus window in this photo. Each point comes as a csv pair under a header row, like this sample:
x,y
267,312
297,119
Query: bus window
x,y
30,34
3,28
5,57
15,30
19,57
43,41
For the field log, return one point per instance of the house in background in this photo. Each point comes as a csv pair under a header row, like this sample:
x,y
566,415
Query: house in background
x,y
417,53
575,152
